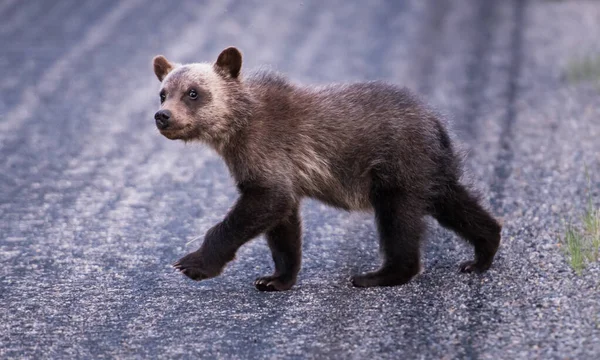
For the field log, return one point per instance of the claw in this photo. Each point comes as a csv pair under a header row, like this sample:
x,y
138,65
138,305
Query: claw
x,y
466,269
474,266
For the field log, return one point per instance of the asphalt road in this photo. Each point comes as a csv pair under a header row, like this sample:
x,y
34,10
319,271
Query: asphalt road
x,y
95,205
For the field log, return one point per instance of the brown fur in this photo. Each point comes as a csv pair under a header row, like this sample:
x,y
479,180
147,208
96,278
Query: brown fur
x,y
364,146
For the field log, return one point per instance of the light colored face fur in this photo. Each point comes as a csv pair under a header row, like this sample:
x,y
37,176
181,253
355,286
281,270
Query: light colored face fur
x,y
196,97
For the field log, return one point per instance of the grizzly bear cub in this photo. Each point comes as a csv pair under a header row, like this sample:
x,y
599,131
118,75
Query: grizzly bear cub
x,y
361,146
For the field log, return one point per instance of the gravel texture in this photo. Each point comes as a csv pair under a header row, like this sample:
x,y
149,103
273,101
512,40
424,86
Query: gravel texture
x,y
95,205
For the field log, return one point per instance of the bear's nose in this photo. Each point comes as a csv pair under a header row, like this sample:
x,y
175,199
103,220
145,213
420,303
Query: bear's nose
x,y
162,119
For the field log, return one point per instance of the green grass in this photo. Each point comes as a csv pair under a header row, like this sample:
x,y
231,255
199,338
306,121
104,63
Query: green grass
x,y
582,243
584,69
591,226
574,242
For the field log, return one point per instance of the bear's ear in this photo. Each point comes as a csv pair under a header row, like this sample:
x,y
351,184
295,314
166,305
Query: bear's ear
x,y
162,67
229,62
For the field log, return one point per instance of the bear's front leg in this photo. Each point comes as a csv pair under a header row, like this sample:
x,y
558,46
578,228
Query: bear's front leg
x,y
285,241
259,208
210,259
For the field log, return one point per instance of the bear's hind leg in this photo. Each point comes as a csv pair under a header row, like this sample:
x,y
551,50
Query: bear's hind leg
x,y
461,212
401,227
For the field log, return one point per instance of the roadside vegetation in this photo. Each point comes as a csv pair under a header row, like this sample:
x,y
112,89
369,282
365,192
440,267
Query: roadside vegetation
x,y
584,69
581,241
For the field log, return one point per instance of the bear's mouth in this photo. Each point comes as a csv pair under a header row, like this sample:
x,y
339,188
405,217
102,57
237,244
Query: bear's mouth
x,y
170,134
176,133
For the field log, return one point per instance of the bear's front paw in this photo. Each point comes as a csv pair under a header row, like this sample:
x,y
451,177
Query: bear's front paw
x,y
195,266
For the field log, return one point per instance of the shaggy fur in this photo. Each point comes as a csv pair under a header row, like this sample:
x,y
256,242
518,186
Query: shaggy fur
x,y
364,146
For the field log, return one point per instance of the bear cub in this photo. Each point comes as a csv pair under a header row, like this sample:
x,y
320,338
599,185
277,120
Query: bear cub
x,y
368,146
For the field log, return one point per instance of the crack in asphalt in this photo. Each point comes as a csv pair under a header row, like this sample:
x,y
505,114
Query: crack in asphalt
x,y
476,298
428,47
478,68
503,167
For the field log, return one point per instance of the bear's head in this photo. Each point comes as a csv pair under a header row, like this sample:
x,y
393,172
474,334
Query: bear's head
x,y
200,101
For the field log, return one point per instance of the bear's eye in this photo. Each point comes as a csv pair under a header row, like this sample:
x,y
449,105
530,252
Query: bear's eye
x,y
163,97
193,94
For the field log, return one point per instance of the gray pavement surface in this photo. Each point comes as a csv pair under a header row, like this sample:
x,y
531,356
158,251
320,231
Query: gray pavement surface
x,y
95,205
